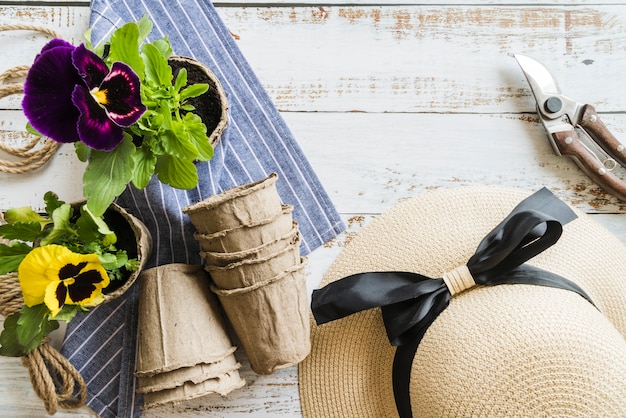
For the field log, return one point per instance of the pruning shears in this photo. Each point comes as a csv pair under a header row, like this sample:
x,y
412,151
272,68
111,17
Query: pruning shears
x,y
575,129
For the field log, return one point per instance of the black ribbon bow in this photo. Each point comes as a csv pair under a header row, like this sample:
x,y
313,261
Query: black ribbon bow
x,y
410,302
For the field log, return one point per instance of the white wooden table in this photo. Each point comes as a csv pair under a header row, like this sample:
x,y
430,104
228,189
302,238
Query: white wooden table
x,y
388,100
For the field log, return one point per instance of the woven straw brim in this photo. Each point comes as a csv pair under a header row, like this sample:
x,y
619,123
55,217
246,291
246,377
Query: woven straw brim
x,y
507,350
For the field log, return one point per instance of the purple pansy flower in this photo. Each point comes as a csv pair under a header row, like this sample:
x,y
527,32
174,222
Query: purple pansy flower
x,y
71,95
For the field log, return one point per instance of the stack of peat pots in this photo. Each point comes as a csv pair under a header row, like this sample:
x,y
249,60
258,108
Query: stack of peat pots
x,y
185,350
251,248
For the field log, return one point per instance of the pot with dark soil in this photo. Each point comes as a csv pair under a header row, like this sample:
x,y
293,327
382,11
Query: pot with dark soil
x,y
212,106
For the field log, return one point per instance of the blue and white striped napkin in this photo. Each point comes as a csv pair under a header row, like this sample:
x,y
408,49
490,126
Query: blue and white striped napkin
x,y
102,343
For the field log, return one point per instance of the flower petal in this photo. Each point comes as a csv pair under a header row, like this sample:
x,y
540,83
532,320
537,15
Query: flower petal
x,y
48,91
56,42
95,128
54,275
33,272
87,286
90,66
123,95
55,296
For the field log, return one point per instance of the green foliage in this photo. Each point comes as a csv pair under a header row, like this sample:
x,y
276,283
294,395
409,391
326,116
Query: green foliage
x,y
24,214
178,172
107,175
61,226
12,255
82,232
168,132
145,160
79,230
24,330
28,231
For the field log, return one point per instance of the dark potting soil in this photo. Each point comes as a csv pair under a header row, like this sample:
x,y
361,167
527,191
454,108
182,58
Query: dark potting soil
x,y
208,105
126,240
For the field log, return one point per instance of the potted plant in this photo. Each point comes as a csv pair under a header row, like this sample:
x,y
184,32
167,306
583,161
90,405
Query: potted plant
x,y
67,260
129,106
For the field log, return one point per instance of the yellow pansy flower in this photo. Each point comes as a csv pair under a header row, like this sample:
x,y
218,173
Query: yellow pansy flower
x,y
54,275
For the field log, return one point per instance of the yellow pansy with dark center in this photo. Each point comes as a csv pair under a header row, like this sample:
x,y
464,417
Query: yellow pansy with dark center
x,y
56,276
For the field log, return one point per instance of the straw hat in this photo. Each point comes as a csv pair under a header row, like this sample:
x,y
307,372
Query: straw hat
x,y
506,350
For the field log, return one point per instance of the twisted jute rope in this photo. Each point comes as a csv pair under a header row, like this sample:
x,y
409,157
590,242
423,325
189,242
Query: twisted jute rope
x,y
55,381
30,156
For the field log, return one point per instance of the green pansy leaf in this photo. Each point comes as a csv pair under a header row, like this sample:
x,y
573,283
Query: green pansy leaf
x,y
198,136
145,27
102,226
176,143
67,313
87,229
143,170
23,231
178,173
87,38
12,255
82,151
107,175
52,202
158,71
97,49
194,90
181,79
125,47
143,127
92,247
33,325
93,228
62,227
31,130
25,214
114,261
108,261
24,330
9,346
132,264
164,46
156,145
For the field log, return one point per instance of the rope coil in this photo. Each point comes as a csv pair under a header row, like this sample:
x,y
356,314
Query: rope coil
x,y
54,379
29,156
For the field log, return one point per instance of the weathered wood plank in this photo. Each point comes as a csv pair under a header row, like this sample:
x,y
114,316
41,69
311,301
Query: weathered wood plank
x,y
17,398
368,162
289,3
418,59
383,158
429,58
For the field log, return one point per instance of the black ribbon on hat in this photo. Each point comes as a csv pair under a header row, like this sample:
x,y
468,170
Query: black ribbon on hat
x,y
410,302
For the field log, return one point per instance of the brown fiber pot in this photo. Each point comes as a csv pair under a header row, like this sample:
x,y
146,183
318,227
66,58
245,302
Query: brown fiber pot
x,y
180,321
132,236
212,106
275,246
241,205
271,319
250,272
248,236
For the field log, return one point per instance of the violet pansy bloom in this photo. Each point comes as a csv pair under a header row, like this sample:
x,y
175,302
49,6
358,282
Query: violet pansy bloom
x,y
71,95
